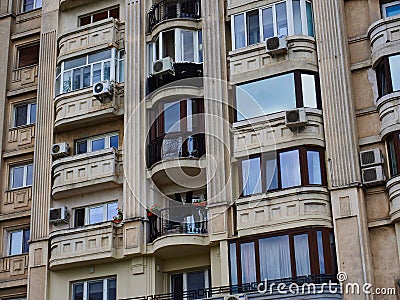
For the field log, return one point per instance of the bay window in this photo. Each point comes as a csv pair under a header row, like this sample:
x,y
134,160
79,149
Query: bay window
x,y
101,289
97,143
290,255
85,71
388,75
284,169
18,241
290,17
21,176
95,214
278,93
391,9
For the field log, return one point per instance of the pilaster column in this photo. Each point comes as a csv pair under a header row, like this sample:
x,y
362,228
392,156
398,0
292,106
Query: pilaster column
x,y
347,197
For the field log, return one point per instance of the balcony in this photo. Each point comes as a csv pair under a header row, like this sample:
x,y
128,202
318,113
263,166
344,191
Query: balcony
x,y
14,270
23,79
86,244
393,187
88,172
315,287
384,36
173,9
388,107
92,37
79,109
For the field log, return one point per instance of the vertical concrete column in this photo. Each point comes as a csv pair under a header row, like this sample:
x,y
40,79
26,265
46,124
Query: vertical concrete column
x,y
134,120
41,190
218,144
349,213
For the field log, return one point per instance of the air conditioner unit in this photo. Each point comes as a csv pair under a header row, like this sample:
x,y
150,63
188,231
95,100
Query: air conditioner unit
x,y
276,44
295,118
102,90
371,157
59,150
58,215
236,297
163,66
373,176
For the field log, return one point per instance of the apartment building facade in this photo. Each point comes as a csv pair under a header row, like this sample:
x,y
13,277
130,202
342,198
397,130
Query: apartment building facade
x,y
190,149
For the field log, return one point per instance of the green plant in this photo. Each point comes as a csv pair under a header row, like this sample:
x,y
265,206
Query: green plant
x,y
154,208
119,216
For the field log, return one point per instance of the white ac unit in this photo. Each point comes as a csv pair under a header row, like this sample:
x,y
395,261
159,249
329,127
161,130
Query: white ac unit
x,y
371,157
163,66
276,44
295,118
373,176
58,215
236,297
102,90
60,150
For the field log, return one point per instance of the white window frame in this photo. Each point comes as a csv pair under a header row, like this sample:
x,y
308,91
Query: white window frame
x,y
289,18
34,5
108,10
386,5
107,140
25,176
105,212
185,278
85,287
9,233
28,114
120,61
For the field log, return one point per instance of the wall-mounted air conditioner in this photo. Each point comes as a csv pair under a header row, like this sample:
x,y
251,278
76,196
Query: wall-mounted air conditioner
x,y
58,215
295,118
60,150
371,157
276,44
163,66
373,176
103,90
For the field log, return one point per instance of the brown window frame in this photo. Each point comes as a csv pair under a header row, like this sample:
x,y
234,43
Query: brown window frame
x,y
24,47
110,14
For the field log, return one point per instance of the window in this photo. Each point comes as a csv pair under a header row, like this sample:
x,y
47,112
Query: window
x,y
291,17
18,242
393,148
191,281
391,9
95,214
388,75
98,16
294,254
28,5
266,96
28,56
284,169
96,143
24,114
82,72
21,176
101,289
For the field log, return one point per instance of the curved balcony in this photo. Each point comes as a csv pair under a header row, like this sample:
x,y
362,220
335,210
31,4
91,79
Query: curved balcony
x,y
254,62
89,172
388,107
384,37
290,208
181,71
393,187
86,244
173,9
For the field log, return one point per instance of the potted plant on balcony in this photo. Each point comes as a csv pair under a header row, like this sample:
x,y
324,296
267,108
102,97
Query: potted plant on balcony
x,y
118,218
152,210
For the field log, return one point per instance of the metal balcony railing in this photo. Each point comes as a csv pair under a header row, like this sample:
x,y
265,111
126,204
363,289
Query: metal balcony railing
x,y
180,219
170,9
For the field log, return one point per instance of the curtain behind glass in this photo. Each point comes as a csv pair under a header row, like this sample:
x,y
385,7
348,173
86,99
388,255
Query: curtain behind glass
x,y
233,264
240,41
302,255
290,168
248,261
251,176
275,258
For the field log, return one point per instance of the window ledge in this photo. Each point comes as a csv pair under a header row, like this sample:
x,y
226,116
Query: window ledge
x,y
28,15
18,189
22,126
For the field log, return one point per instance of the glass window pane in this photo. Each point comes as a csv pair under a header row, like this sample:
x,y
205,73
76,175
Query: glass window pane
x,y
309,91
17,177
25,245
77,291
77,77
96,215
268,23
271,172
253,28
321,253
196,281
172,116
265,96
122,68
112,289
15,243
251,176
314,167
81,147
100,16
200,46
67,80
302,255
297,17
239,31
21,115
95,290
96,73
99,144
381,79
248,263
29,175
33,113
85,20
233,264
394,62
114,142
112,210
281,19
86,76
392,10
38,3
290,168
275,258
99,56
27,5
74,63
187,46
310,21
392,158
107,69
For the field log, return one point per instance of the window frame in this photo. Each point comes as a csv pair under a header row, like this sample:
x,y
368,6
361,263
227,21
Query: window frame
x,y
87,209
24,179
108,10
395,138
107,142
303,164
384,6
185,279
24,46
9,241
35,2
85,283
28,114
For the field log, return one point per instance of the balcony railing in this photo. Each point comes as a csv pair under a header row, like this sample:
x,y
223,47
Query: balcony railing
x,y
182,219
175,145
170,9
181,71
252,289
